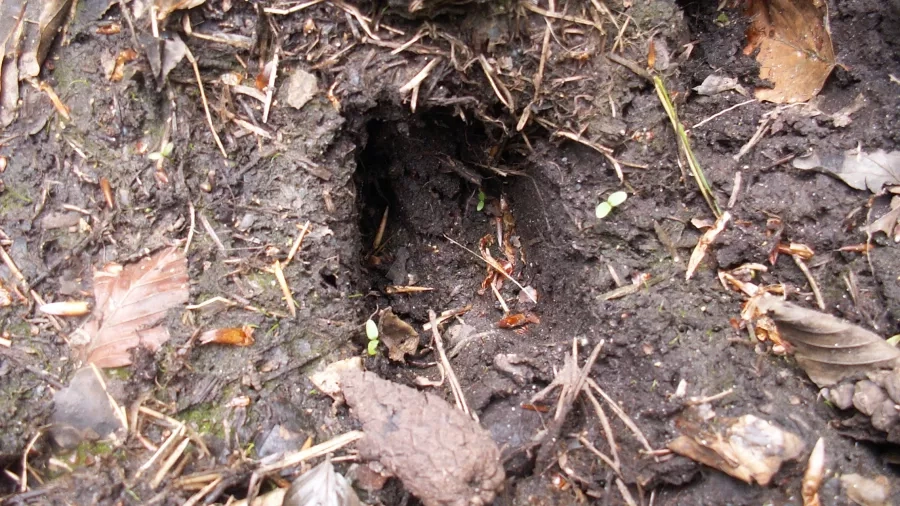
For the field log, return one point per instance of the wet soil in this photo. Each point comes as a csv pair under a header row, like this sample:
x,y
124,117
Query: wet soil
x,y
451,172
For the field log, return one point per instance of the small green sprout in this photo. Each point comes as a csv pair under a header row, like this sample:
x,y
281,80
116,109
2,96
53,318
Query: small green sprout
x,y
614,200
165,152
893,340
372,334
481,197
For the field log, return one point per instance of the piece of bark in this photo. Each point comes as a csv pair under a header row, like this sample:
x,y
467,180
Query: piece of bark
x,y
441,455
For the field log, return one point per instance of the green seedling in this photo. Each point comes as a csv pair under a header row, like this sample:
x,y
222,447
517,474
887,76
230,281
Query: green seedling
x,y
614,200
893,340
165,152
481,197
372,334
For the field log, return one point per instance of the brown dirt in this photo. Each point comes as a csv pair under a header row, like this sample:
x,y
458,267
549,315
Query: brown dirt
x,y
340,169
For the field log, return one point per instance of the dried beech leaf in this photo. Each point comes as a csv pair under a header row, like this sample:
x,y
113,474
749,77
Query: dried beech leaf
x,y
887,224
166,7
441,455
321,486
865,491
400,337
859,170
795,51
129,302
38,40
829,349
748,448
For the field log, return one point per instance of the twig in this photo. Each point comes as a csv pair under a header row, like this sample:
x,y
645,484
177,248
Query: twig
x,y
605,151
293,9
500,299
209,121
211,232
496,267
294,458
623,489
716,115
612,465
735,190
539,77
445,363
812,282
446,315
270,88
362,20
163,448
760,132
556,15
710,398
285,289
202,492
607,428
622,415
497,85
296,246
168,463
416,81
190,237
23,479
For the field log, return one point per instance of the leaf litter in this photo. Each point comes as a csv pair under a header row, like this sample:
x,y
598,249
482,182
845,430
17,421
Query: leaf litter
x,y
863,171
130,301
795,50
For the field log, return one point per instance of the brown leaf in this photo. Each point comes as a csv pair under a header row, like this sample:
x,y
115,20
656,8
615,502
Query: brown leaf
x,y
166,7
130,301
399,337
36,45
795,51
829,349
860,170
748,448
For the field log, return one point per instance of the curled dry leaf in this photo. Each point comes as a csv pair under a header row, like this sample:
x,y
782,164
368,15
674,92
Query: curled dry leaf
x,y
441,455
703,245
795,51
67,308
748,448
235,336
815,473
829,349
166,7
321,486
328,380
860,170
129,302
865,491
400,337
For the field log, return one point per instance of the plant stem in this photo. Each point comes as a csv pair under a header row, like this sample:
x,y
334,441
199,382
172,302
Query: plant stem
x,y
685,144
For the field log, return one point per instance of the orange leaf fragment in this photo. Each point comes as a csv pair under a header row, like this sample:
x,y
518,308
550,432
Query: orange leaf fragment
x,y
517,320
235,336
795,50
130,301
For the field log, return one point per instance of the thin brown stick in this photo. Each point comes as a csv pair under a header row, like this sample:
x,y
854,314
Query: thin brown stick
x,y
212,233
709,398
296,246
209,121
196,498
285,289
565,17
163,448
23,479
190,237
169,463
622,415
497,85
292,9
812,281
724,111
445,363
607,429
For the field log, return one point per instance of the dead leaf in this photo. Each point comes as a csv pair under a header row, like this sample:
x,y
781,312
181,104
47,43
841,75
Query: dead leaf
x,y
865,491
84,411
321,486
748,448
166,7
889,223
328,380
399,337
703,244
827,348
715,84
38,40
235,336
299,88
795,51
860,170
129,303
815,473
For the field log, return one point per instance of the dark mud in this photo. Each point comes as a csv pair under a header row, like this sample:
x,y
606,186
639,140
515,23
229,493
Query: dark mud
x,y
340,169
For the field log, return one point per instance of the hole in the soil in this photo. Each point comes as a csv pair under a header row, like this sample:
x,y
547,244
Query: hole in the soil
x,y
423,169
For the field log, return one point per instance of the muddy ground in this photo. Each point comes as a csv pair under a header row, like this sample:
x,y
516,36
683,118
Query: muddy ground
x,y
355,149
